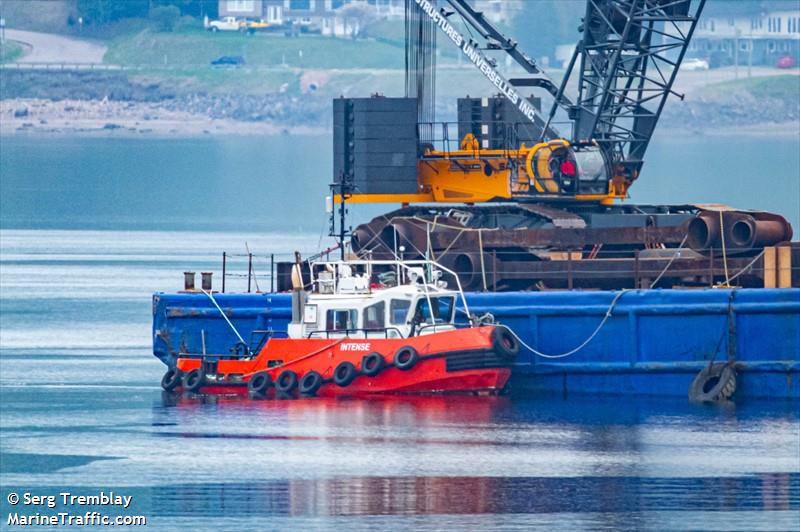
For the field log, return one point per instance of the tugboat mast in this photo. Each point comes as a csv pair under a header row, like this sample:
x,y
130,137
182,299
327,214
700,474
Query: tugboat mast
x,y
343,189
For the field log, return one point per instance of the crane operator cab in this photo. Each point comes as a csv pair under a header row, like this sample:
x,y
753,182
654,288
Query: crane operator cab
x,y
592,172
558,168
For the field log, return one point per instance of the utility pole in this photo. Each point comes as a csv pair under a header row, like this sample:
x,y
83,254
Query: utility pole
x,y
2,26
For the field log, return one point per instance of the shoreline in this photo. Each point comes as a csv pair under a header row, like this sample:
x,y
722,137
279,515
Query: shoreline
x,y
789,129
107,118
92,118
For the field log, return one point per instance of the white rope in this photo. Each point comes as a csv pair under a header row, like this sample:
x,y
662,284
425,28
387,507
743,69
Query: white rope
x,y
375,234
583,344
724,251
224,316
746,268
671,260
447,249
483,268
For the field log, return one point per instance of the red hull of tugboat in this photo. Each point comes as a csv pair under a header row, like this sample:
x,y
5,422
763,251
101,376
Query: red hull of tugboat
x,y
456,361
417,381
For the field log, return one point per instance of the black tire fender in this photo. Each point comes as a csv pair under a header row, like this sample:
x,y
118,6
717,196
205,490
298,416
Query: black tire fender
x,y
372,364
310,383
240,349
286,382
714,383
505,343
194,380
171,379
259,382
344,374
405,358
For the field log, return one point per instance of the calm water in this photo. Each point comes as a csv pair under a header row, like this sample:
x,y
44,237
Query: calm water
x,y
280,182
81,411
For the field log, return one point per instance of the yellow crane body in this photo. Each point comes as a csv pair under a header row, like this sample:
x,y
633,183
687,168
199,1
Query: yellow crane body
x,y
551,170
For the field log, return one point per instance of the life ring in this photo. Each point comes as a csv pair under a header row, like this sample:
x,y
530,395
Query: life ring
x,y
194,380
260,382
372,364
344,374
310,383
405,358
505,343
714,383
287,381
171,379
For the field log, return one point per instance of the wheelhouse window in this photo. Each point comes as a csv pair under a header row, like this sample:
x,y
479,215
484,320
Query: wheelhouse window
x,y
398,311
375,316
340,320
443,309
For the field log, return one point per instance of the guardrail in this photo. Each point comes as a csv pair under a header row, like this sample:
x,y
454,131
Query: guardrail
x,y
67,66
173,67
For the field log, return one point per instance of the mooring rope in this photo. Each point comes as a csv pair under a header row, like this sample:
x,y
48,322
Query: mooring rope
x,y
583,344
724,250
483,268
749,265
224,316
671,260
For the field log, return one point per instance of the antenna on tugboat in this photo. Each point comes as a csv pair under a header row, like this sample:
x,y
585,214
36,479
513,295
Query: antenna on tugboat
x,y
343,193
342,216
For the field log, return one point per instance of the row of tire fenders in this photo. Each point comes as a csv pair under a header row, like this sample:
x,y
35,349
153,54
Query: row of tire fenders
x,y
288,380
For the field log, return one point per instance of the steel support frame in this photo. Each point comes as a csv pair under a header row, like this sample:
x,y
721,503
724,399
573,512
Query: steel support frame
x,y
625,77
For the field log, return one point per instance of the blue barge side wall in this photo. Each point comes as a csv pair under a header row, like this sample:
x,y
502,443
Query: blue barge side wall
x,y
654,343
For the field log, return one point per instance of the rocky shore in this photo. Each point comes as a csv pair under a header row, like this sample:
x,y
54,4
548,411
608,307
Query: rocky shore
x,y
734,110
105,117
110,103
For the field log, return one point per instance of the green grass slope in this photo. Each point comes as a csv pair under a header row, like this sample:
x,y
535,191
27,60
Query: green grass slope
x,y
10,52
197,47
783,87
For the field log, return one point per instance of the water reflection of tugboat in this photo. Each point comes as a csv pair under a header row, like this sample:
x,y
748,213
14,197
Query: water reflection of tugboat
x,y
357,332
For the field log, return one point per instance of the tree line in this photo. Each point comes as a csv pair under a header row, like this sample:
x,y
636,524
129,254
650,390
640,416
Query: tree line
x,y
98,12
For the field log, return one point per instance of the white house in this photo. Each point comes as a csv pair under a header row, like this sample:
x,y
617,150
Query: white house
x,y
329,17
760,38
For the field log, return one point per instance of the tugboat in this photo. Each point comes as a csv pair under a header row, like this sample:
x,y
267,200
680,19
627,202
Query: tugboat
x,y
358,332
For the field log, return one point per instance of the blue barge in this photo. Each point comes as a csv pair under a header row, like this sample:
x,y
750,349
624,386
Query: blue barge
x,y
654,342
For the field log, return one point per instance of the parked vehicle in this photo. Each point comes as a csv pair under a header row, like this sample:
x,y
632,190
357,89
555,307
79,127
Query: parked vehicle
x,y
228,60
225,24
693,63
786,61
255,24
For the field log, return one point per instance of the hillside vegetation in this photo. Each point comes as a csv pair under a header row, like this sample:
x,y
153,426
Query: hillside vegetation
x,y
198,47
10,52
742,102
780,87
